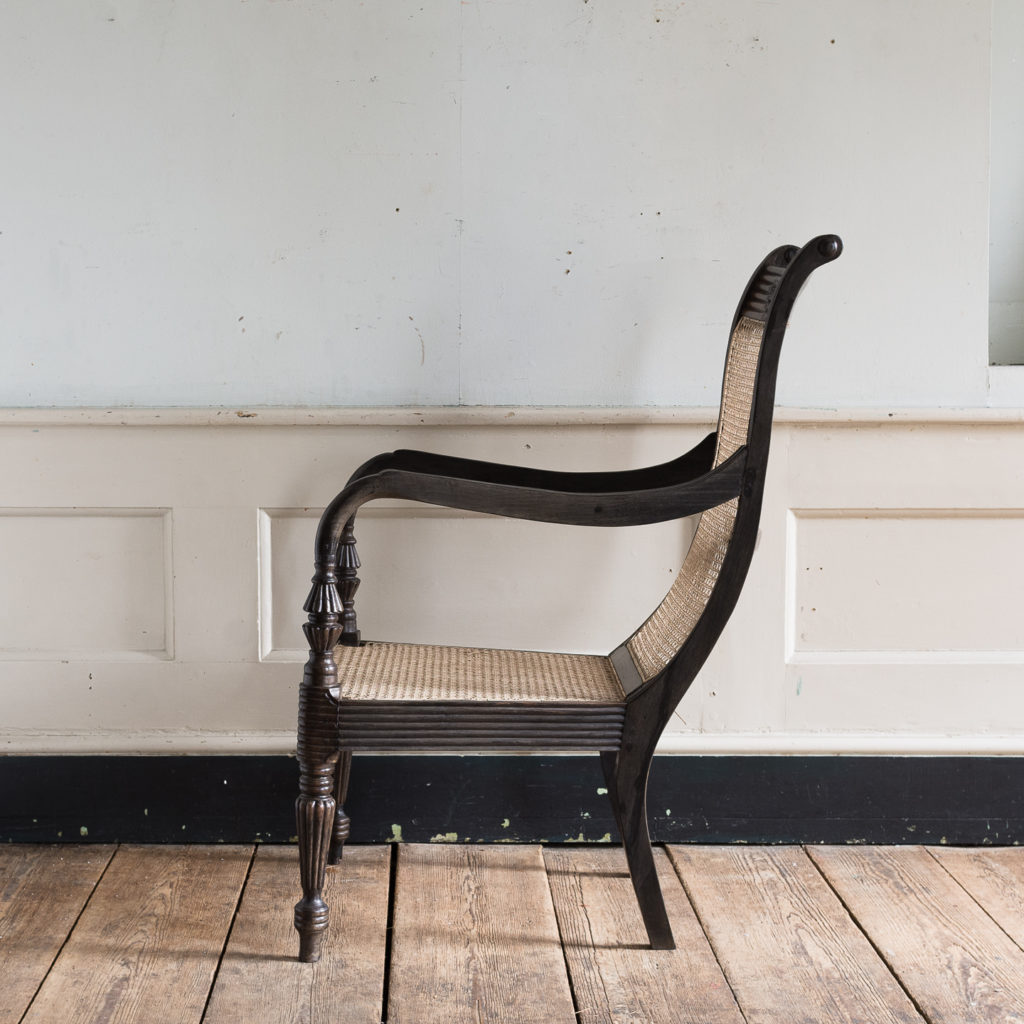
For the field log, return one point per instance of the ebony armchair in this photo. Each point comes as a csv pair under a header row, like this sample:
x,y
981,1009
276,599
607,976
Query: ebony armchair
x,y
403,697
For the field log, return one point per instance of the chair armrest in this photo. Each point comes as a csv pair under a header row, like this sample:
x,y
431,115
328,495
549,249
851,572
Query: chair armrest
x,y
693,464
647,497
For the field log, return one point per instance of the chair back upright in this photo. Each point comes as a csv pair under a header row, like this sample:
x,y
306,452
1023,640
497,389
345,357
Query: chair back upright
x,y
744,419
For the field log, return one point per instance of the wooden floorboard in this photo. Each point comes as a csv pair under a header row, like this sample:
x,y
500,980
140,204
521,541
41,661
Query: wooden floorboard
x,y
994,878
785,943
259,978
147,945
957,963
513,934
475,939
616,976
42,891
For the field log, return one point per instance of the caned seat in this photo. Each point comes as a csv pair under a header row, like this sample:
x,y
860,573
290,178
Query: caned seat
x,y
390,695
417,673
401,697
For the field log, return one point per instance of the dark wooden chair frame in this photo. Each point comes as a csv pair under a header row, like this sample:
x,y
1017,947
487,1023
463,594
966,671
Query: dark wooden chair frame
x,y
625,735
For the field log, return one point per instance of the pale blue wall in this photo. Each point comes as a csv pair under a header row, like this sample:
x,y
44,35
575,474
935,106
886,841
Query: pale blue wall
x,y
529,202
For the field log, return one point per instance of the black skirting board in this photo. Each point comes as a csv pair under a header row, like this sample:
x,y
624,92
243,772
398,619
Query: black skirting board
x,y
493,798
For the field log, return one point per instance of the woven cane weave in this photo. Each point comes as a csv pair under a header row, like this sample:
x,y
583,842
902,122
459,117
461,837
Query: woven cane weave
x,y
416,672
656,642
738,388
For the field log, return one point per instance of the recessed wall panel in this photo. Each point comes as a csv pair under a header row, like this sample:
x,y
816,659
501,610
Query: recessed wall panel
x,y
920,581
84,583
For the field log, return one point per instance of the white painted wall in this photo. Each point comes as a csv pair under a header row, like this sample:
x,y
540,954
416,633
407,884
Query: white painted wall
x,y
325,202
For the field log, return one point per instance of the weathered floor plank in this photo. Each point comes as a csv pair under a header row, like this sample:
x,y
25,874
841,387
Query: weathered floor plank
x,y
616,976
147,945
959,966
995,878
785,943
260,978
475,939
42,891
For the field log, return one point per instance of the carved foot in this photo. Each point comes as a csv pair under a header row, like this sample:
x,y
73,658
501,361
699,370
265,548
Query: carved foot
x,y
311,923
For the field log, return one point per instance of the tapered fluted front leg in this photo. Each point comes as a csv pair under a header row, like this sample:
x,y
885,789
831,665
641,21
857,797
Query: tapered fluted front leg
x,y
317,753
314,814
341,822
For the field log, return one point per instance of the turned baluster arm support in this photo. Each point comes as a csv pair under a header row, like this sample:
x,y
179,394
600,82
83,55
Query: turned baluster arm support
x,y
331,599
348,584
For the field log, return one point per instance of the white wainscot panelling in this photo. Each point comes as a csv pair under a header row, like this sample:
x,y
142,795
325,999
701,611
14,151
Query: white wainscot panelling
x,y
881,613
79,583
929,584
905,623
433,575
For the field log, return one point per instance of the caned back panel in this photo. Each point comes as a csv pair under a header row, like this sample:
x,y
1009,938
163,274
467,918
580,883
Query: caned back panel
x,y
656,642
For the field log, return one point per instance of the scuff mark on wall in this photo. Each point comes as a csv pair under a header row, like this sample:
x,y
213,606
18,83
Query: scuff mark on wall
x,y
423,346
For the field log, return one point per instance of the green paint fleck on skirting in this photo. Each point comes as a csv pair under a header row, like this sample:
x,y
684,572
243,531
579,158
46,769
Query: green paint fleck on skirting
x,y
445,837
601,791
606,838
83,831
396,834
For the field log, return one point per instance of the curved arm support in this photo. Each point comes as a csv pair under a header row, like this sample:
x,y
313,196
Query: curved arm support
x,y
628,507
